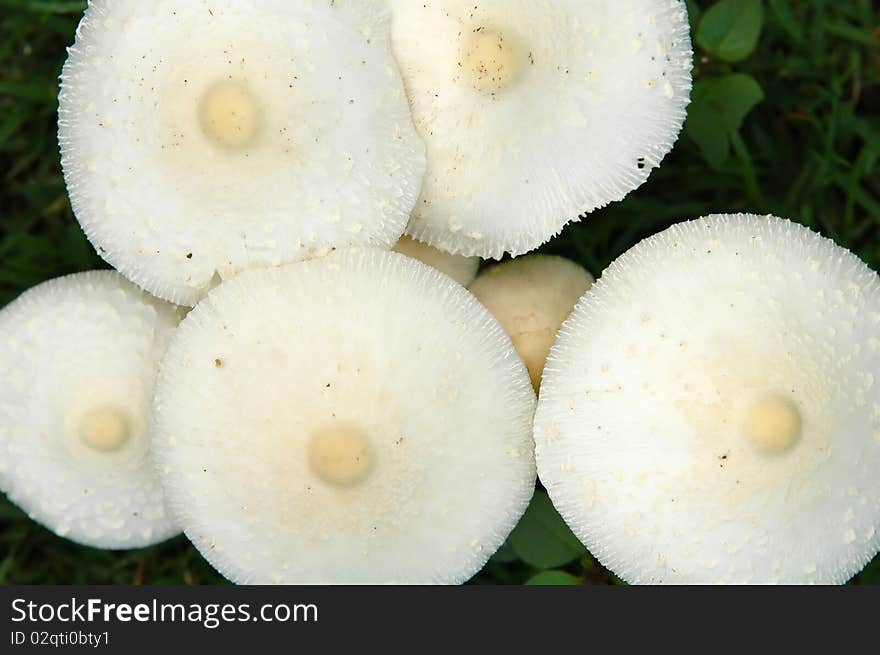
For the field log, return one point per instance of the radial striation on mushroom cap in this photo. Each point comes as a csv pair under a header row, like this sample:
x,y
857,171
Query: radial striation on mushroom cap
x,y
535,113
461,269
201,139
710,413
78,360
302,437
531,297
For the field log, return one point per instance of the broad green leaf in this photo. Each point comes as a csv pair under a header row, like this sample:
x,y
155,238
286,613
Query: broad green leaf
x,y
734,96
704,127
542,539
730,28
556,578
504,554
718,108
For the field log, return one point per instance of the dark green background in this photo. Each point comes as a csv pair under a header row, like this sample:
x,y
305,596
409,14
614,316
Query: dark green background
x,y
790,128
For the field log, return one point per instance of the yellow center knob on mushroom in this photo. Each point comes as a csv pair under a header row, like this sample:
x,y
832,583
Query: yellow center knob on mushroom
x,y
774,424
340,456
490,62
105,429
229,115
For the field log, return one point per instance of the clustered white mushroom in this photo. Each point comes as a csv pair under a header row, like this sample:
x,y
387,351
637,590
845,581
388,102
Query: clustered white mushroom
x,y
202,138
78,360
534,113
333,412
356,418
710,411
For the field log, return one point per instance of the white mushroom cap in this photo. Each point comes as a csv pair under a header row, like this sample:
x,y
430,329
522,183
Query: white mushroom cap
x,y
78,359
461,269
531,297
356,418
203,138
534,113
710,411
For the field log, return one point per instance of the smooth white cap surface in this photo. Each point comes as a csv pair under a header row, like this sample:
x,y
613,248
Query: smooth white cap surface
x,y
711,413
202,138
359,418
78,359
534,113
531,297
